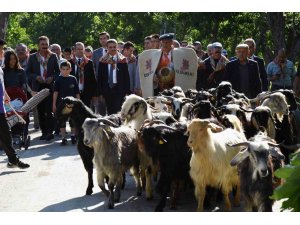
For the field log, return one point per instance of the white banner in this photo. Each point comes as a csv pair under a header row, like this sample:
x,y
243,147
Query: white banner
x,y
185,65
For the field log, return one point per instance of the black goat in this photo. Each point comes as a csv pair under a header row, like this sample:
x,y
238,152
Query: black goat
x,y
256,171
167,147
76,110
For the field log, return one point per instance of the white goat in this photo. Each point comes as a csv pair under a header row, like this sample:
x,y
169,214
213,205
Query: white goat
x,y
277,103
210,162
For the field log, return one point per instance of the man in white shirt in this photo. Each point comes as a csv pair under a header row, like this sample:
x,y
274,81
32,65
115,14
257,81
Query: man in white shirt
x,y
113,78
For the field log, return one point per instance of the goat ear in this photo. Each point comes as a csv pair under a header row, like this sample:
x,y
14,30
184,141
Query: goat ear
x,y
214,127
275,152
108,132
240,157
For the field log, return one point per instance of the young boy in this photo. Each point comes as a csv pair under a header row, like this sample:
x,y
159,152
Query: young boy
x,y
65,85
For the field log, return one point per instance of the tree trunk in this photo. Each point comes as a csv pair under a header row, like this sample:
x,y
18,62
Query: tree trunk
x,y
277,26
3,23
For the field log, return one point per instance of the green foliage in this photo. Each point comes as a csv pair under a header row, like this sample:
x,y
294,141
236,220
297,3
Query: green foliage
x,y
228,28
290,190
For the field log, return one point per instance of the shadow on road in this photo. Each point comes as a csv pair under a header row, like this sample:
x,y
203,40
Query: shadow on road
x,y
11,172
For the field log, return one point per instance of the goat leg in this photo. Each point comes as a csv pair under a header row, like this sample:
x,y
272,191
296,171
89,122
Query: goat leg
x,y
100,178
149,192
123,180
111,200
227,204
118,190
87,156
237,197
135,172
164,186
175,195
200,195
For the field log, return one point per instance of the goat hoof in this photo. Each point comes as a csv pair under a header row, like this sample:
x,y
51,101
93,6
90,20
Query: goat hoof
x,y
89,192
139,192
149,198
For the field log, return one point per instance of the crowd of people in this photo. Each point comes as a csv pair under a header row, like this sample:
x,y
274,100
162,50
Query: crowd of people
x,y
101,78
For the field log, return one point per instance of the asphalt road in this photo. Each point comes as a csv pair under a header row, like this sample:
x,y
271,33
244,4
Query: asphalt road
x,y
56,182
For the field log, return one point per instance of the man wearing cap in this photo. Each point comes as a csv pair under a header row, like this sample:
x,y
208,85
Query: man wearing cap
x,y
164,77
261,64
2,43
212,72
243,73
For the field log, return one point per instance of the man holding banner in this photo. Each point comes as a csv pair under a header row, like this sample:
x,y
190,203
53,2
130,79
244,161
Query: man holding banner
x,y
164,68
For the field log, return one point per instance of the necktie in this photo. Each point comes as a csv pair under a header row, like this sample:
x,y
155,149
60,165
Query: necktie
x,y
110,77
78,68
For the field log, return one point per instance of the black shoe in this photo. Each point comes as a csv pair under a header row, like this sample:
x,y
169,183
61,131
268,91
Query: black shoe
x,y
43,137
19,164
64,142
73,140
49,137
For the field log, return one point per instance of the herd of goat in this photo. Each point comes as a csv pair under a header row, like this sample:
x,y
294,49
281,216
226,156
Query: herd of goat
x,y
217,142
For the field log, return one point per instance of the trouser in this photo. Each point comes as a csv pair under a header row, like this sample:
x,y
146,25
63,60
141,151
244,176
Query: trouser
x,y
113,100
46,117
6,140
101,107
86,99
36,122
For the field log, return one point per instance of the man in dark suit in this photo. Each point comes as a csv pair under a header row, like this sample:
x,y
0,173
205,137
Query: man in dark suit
x,y
243,73
128,49
113,78
97,54
83,70
42,70
261,63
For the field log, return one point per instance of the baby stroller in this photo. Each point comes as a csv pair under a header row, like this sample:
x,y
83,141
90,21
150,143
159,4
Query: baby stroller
x,y
25,109
19,130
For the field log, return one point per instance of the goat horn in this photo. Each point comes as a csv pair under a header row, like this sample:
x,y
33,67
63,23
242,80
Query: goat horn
x,y
162,126
169,97
107,122
264,98
291,147
274,144
246,110
253,100
239,144
148,122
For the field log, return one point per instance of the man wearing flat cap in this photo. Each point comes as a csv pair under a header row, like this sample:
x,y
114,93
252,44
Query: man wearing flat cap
x,y
243,73
2,43
164,77
161,69
213,69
